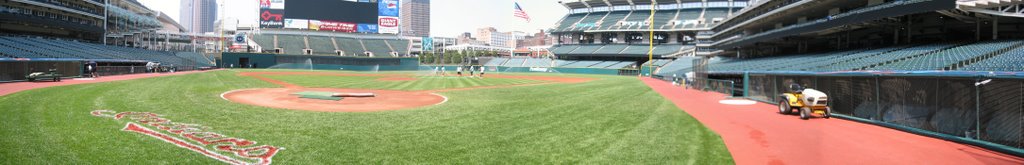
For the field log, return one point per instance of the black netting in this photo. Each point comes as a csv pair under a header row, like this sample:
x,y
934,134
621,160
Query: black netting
x,y
760,88
1001,112
993,112
907,101
955,107
17,70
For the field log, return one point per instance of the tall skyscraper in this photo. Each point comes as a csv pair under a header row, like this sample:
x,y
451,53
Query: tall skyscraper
x,y
198,15
415,18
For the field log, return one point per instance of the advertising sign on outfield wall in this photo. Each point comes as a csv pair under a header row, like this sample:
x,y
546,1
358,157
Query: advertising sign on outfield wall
x,y
367,28
338,26
271,4
387,8
271,18
388,25
296,23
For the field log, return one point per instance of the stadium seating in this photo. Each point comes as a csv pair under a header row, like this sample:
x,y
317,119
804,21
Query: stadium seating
x,y
611,20
291,44
570,21
378,47
515,62
537,62
264,40
321,45
619,65
1012,61
560,63
687,16
592,18
582,64
611,49
563,49
635,17
661,17
496,62
400,46
351,47
24,47
949,57
586,49
711,14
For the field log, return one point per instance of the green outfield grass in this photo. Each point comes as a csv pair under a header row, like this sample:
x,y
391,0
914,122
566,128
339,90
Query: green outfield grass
x,y
372,82
612,120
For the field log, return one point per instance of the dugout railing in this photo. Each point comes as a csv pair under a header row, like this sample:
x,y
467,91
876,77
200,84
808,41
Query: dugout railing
x,y
979,108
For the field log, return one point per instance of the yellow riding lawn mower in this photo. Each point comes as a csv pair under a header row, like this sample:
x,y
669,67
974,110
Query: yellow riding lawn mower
x,y
805,101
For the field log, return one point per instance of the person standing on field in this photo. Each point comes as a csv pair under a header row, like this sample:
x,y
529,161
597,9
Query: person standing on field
x,y
458,70
482,71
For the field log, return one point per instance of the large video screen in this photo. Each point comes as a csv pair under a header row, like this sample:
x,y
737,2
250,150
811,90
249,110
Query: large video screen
x,y
362,16
331,10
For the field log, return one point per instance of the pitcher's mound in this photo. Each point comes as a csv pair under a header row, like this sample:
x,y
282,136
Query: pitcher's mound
x,y
383,100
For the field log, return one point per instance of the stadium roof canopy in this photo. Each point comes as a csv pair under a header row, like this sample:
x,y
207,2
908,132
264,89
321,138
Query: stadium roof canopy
x,y
579,4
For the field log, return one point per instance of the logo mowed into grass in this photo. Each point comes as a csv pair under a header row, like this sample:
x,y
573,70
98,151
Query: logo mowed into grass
x,y
194,137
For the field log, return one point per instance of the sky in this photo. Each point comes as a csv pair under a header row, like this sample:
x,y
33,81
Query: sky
x,y
448,17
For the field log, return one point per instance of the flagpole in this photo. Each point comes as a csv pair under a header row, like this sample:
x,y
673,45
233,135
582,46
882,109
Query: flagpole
x,y
650,40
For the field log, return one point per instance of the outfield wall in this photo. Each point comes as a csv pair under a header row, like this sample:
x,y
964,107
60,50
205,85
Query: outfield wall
x,y
499,69
980,108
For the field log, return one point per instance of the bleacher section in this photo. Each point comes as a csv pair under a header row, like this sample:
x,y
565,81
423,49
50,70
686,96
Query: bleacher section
x,y
611,49
711,14
948,58
321,45
350,46
264,40
400,46
496,62
635,17
35,48
1012,61
581,64
553,63
378,47
618,49
590,20
537,62
661,17
687,18
983,56
611,20
663,20
515,62
324,44
291,44
570,21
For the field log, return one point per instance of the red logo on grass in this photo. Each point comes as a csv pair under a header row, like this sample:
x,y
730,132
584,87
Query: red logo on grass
x,y
194,137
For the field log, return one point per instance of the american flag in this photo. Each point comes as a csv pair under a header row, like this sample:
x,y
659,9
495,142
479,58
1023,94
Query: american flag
x,y
520,13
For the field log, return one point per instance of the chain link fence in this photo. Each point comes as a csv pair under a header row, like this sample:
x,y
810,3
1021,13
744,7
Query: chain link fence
x,y
952,106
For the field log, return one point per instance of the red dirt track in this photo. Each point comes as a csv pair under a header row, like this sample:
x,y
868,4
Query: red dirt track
x,y
757,134
8,88
384,99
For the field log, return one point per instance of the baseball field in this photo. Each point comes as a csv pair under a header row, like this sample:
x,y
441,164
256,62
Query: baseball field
x,y
254,117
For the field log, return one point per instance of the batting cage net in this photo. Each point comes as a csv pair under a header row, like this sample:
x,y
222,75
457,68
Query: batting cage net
x,y
970,108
